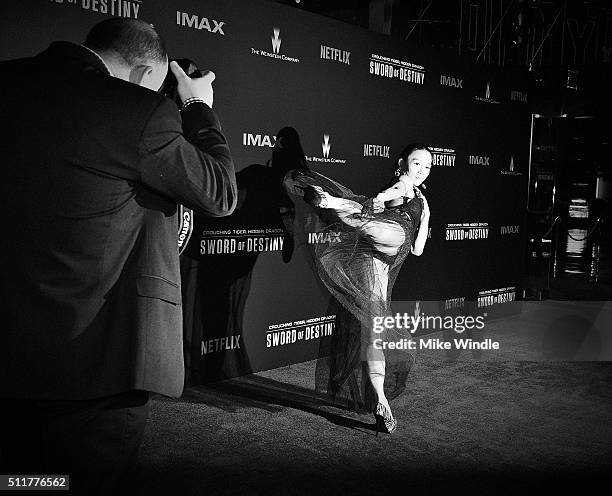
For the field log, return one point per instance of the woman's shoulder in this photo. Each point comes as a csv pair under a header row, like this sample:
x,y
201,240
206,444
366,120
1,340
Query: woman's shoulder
x,y
388,185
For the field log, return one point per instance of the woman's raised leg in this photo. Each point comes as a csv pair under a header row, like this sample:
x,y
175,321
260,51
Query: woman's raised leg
x,y
385,236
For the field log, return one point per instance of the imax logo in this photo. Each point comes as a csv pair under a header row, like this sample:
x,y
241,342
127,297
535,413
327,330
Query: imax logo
x,y
509,230
195,22
276,41
260,140
321,238
451,81
478,160
326,145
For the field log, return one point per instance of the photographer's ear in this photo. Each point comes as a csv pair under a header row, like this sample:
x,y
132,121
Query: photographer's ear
x,y
149,75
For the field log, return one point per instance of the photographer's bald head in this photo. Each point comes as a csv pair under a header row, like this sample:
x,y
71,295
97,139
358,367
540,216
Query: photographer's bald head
x,y
132,50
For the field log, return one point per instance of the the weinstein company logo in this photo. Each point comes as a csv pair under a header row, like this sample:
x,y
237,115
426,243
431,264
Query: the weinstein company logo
x,y
509,230
518,96
443,156
478,160
465,231
326,148
511,168
396,69
259,140
199,22
376,151
276,40
276,48
117,8
453,82
491,297
487,95
330,53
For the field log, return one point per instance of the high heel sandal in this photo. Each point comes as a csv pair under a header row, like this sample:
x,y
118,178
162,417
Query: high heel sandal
x,y
384,419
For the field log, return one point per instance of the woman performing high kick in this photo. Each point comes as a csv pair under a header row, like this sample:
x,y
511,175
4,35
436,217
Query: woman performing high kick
x,y
376,235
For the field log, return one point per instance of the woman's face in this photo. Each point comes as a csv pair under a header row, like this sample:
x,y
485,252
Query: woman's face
x,y
418,165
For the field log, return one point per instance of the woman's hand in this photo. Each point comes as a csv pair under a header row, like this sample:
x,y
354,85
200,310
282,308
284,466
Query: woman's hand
x,y
378,205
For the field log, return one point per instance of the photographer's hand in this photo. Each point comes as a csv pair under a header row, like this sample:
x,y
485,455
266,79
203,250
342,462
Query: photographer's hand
x,y
190,88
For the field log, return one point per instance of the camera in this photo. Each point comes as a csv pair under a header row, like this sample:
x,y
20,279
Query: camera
x,y
170,84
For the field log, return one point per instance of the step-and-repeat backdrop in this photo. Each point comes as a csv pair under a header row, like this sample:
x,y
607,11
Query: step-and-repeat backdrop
x,y
251,297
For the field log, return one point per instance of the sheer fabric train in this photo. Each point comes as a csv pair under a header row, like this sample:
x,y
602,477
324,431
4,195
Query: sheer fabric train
x,y
359,277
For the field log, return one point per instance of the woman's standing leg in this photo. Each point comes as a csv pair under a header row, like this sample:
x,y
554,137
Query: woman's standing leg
x,y
375,357
385,237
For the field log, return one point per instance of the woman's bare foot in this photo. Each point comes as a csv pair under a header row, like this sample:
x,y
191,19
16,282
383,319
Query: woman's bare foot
x,y
323,197
342,206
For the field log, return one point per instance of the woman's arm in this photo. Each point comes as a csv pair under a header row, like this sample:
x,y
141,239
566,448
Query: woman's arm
x,y
421,237
396,191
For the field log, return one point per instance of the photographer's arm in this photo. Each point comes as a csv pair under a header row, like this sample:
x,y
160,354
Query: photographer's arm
x,y
188,159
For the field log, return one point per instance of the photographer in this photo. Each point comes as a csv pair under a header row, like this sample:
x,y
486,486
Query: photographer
x,y
95,162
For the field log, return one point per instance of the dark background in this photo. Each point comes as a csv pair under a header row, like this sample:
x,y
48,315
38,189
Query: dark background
x,y
260,95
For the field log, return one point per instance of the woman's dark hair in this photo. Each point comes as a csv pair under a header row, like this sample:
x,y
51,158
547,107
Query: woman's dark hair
x,y
412,147
288,153
134,40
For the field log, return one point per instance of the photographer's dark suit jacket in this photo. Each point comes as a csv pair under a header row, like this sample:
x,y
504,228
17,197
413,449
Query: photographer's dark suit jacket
x,y
92,170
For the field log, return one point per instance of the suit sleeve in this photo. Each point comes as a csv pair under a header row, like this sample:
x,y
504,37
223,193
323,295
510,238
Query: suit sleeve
x,y
188,162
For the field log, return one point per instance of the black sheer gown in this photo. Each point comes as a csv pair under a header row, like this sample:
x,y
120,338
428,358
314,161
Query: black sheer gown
x,y
360,277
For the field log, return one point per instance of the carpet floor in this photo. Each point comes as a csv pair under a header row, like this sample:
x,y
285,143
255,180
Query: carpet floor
x,y
533,418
